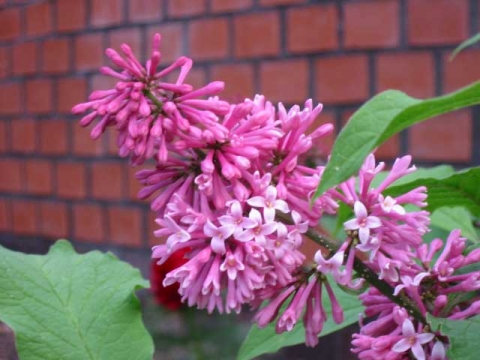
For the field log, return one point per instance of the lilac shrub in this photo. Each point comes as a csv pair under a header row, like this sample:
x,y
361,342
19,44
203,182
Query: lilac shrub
x,y
229,191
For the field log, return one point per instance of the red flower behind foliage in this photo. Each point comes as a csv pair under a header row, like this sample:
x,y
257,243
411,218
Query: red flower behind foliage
x,y
167,296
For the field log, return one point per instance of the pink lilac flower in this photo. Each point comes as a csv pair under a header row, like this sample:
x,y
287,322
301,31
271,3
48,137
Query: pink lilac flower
x,y
362,222
381,227
412,340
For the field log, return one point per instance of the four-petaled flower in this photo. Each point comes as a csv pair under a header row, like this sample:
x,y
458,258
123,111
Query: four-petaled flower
x,y
412,341
259,230
218,235
389,204
232,265
362,222
269,203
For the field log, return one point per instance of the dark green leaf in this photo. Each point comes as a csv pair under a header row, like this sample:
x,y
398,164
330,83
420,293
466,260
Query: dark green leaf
x,y
460,189
463,335
377,120
68,306
450,218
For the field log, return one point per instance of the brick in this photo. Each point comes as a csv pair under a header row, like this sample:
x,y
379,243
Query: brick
x,y
173,41
133,185
39,95
106,12
55,56
4,136
108,180
144,10
388,150
257,34
54,221
196,77
10,95
70,92
208,39
151,227
5,215
132,37
103,82
10,175
373,24
177,8
437,22
24,216
70,180
4,62
88,50
411,72
83,144
53,137
285,81
89,223
71,15
125,226
10,20
444,138
238,80
23,135
312,28
462,71
230,5
280,2
24,58
39,19
38,174
111,140
342,79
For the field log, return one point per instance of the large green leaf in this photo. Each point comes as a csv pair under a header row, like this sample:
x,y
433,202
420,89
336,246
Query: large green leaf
x,y
459,189
68,306
266,340
467,43
377,120
450,218
463,335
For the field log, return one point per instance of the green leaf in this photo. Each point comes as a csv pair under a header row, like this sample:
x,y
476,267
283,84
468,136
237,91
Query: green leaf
x,y
459,189
463,336
266,340
377,120
449,218
435,172
68,306
467,43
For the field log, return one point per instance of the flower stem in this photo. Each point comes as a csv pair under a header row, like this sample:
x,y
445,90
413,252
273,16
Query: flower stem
x,y
371,277
154,99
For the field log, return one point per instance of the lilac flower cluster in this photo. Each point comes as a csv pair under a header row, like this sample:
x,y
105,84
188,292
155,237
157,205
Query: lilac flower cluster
x,y
229,192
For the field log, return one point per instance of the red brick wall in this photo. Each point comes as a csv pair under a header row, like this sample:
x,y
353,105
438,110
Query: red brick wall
x,y
56,182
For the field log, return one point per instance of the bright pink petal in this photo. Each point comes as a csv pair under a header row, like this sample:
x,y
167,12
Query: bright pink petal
x,y
351,224
401,346
360,210
373,222
255,216
209,229
271,193
407,328
282,206
417,351
218,245
425,338
256,201
363,234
